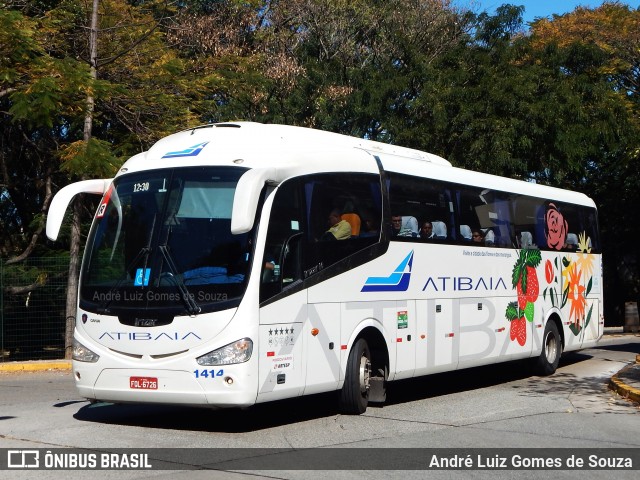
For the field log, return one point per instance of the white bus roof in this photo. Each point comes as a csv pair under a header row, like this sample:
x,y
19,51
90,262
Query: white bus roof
x,y
295,151
255,145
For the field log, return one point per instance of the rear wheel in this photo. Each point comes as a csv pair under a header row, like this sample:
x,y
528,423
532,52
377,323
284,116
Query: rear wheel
x,y
549,358
354,396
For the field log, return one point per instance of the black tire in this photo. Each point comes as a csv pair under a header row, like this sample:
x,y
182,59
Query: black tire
x,y
549,358
354,396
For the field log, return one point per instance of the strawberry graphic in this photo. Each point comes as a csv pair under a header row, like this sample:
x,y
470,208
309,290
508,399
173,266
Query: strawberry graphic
x,y
517,323
529,280
525,280
524,277
518,330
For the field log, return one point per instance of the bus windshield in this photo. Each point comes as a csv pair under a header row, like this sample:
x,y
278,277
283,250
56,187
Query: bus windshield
x,y
161,241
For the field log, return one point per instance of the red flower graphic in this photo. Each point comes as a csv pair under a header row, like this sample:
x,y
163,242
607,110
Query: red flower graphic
x,y
548,271
555,228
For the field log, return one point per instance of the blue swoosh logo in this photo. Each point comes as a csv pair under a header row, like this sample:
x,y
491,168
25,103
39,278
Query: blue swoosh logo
x,y
187,152
397,281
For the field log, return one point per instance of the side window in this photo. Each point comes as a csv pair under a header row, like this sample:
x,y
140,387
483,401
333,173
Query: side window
x,y
343,216
553,225
570,227
316,221
484,217
589,230
421,209
282,262
528,222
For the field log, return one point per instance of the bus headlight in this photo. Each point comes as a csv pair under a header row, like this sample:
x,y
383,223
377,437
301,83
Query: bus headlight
x,y
83,354
236,352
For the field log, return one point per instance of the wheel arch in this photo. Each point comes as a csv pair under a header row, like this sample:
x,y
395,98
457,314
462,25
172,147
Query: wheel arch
x,y
378,347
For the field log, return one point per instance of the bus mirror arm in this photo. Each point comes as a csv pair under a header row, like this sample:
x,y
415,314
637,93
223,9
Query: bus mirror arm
x,y
62,199
247,195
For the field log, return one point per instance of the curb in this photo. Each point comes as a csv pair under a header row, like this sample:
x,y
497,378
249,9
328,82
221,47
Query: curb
x,y
35,366
622,388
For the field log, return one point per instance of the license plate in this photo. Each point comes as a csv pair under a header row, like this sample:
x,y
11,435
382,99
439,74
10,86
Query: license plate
x,y
143,383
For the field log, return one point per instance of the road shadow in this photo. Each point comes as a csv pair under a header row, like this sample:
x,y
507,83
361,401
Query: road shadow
x,y
469,379
623,347
231,420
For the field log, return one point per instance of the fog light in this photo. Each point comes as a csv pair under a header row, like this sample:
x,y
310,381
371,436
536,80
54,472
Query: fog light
x,y
228,380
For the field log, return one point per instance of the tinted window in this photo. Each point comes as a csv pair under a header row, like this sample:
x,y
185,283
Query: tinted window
x,y
415,201
316,222
473,215
486,215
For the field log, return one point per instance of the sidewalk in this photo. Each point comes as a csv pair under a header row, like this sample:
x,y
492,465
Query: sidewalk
x,y
627,381
35,366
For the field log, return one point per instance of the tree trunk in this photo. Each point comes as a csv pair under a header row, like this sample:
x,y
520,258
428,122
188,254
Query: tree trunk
x,y
74,250
72,282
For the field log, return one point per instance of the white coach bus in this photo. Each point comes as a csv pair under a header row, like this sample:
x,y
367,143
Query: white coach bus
x,y
239,263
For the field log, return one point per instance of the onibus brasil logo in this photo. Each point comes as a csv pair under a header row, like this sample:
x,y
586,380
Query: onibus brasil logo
x,y
398,281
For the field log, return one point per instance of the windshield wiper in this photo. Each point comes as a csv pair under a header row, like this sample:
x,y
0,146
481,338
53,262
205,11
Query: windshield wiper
x,y
192,307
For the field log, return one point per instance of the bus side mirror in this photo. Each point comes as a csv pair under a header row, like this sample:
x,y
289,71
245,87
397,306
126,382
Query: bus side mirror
x,y
61,201
246,197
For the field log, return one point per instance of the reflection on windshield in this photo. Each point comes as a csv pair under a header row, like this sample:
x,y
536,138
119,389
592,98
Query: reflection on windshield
x,y
162,239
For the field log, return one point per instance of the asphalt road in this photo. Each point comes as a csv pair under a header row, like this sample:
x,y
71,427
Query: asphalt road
x,y
500,406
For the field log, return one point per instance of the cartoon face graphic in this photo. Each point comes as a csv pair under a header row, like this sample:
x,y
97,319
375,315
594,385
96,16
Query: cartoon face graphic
x,y
555,228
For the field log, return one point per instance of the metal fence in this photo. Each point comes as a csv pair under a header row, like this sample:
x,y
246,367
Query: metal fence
x,y
32,309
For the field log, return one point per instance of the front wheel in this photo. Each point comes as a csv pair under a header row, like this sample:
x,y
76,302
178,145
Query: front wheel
x,y
549,358
354,396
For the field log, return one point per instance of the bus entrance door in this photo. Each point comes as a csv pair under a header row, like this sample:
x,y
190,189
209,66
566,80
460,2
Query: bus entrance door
x,y
281,364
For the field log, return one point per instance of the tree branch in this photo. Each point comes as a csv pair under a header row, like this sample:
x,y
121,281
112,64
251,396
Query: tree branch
x,y
34,286
36,235
7,91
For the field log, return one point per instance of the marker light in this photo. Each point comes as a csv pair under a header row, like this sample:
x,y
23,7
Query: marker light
x,y
236,352
83,354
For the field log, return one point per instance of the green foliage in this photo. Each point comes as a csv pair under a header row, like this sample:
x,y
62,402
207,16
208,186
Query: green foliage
x,y
18,46
58,89
93,156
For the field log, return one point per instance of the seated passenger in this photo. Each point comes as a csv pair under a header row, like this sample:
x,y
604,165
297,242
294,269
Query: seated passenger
x,y
404,226
353,219
338,229
571,242
489,238
426,231
526,240
477,236
370,228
